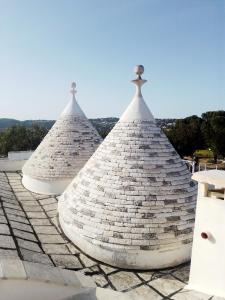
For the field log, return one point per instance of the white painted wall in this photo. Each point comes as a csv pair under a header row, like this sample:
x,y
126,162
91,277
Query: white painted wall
x,y
19,155
207,273
35,290
11,165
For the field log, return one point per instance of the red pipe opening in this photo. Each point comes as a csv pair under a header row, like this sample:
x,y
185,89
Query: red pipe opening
x,y
204,235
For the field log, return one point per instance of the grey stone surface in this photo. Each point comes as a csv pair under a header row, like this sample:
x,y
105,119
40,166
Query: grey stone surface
x,y
36,215
5,253
7,242
124,280
66,261
147,276
45,229
87,261
40,222
25,235
47,201
3,220
64,150
52,213
4,229
55,249
135,192
72,248
51,239
35,257
15,218
182,273
21,226
29,245
108,269
51,207
166,285
144,292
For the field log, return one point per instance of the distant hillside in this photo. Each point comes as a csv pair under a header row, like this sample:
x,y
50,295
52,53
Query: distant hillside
x,y
5,123
103,125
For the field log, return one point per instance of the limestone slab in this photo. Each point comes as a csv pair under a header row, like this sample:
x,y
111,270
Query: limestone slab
x,y
4,229
124,280
66,261
35,257
7,242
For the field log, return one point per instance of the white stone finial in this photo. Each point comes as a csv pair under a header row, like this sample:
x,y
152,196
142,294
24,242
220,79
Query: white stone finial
x,y
139,70
73,86
73,107
137,110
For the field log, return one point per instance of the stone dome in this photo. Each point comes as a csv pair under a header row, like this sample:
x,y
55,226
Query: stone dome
x,y
133,203
63,152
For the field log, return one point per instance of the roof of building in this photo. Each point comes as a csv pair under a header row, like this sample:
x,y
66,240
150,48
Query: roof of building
x,y
215,177
30,233
133,203
65,149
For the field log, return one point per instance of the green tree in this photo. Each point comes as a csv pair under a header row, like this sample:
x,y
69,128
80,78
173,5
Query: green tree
x,y
36,134
213,129
186,135
20,138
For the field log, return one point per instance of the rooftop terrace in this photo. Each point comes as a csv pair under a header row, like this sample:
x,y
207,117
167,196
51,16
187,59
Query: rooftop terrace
x,y
29,231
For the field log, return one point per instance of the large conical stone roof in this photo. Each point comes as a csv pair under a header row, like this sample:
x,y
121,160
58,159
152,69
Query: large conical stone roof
x,y
63,152
132,205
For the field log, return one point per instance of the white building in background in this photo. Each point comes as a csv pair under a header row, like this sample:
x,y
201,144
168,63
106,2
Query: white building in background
x,y
133,203
19,155
63,152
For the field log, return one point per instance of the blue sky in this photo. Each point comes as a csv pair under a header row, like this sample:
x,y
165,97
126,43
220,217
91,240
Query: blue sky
x,y
46,44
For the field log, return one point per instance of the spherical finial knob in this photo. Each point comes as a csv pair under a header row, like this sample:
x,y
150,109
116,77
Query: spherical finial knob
x,y
139,70
73,85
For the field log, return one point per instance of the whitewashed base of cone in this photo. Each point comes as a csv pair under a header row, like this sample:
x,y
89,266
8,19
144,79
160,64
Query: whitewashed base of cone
x,y
54,187
127,258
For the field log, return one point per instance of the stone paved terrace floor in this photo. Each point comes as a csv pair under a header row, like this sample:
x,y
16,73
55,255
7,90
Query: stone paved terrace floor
x,y
29,230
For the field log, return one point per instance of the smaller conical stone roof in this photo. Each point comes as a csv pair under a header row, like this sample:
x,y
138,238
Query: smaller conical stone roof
x,y
133,203
63,152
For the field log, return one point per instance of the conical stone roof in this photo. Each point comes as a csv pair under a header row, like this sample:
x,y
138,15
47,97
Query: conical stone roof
x,y
132,205
63,152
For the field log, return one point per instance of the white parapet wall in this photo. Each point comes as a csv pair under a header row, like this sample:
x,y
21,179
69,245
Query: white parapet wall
x,y
19,155
207,273
23,280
